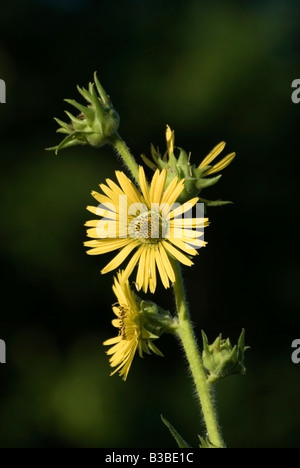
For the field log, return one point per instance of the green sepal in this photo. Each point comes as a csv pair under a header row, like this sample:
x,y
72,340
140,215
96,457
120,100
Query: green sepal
x,y
70,140
148,162
156,319
64,125
215,202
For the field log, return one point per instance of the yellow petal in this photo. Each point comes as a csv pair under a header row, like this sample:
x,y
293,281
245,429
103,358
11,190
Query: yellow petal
x,y
152,271
170,139
184,246
144,186
166,262
106,245
112,341
197,243
114,197
114,187
221,164
212,154
101,198
119,293
118,259
132,263
161,269
147,269
140,277
177,254
153,184
106,229
180,233
157,186
183,208
175,193
189,222
93,209
92,223
129,188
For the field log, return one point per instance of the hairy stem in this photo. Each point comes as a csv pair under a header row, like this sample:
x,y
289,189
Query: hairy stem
x,y
187,337
120,146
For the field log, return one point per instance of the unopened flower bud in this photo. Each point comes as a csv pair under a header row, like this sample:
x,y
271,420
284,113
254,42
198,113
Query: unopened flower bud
x,y
221,358
95,123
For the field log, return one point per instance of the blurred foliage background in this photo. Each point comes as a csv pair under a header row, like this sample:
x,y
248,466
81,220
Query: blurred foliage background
x,y
213,71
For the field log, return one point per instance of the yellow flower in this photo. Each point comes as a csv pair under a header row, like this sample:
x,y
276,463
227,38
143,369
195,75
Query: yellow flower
x,y
132,335
177,163
170,140
151,226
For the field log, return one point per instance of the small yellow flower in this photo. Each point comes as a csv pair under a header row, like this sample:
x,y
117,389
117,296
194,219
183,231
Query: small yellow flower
x,y
151,226
170,140
132,335
178,163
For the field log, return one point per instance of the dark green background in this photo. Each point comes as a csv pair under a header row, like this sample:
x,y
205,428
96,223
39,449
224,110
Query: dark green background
x,y
213,71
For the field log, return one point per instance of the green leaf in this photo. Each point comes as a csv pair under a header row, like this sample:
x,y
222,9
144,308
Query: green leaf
x,y
180,441
215,203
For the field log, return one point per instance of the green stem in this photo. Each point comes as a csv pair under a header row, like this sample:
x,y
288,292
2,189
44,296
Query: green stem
x,y
187,337
121,147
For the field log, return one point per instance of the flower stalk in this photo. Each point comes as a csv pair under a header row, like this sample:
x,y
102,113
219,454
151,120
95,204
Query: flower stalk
x,y
121,148
186,335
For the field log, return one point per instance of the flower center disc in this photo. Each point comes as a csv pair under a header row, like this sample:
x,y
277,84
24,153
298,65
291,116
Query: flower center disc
x,y
150,227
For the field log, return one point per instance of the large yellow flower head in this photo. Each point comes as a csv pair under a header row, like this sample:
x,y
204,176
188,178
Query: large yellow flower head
x,y
133,334
149,223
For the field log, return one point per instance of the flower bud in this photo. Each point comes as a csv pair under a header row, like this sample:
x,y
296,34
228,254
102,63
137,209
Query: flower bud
x,y
221,359
95,123
195,176
157,320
